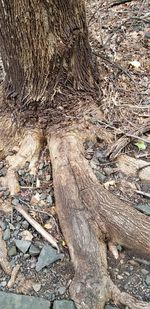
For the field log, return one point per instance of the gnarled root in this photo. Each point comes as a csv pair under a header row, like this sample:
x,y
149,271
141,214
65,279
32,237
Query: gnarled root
x,y
29,150
89,215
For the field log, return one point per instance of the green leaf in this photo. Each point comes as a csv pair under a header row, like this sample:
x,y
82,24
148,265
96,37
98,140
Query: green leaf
x,y
126,307
141,145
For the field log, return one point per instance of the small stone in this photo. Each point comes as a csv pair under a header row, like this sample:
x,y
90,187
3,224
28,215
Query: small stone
x,y
11,226
61,290
49,200
15,201
64,304
6,235
23,245
26,235
6,193
3,284
144,271
12,251
36,287
3,225
18,218
43,196
100,176
145,208
35,198
119,248
119,277
34,250
108,170
48,177
100,155
25,224
147,280
48,256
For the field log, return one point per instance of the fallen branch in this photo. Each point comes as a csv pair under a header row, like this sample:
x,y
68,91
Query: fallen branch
x,y
143,193
122,142
38,227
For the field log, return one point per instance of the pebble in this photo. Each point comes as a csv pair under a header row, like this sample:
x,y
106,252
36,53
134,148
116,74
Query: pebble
x,y
43,196
48,256
25,224
49,200
61,290
100,176
144,271
34,250
3,284
12,251
6,235
36,287
145,208
3,225
108,170
15,201
18,218
119,277
23,245
48,177
147,280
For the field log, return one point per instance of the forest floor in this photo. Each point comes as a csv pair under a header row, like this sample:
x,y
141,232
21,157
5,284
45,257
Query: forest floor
x,y
120,38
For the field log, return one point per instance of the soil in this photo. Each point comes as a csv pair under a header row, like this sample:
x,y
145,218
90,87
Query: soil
x,y
120,37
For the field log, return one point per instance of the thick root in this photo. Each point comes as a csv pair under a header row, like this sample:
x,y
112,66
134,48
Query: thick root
x,y
89,215
126,299
29,151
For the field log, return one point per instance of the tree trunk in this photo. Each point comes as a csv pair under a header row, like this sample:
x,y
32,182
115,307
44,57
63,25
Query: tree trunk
x,y
46,56
44,44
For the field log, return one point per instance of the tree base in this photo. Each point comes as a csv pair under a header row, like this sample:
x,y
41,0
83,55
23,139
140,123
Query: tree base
x,y
90,216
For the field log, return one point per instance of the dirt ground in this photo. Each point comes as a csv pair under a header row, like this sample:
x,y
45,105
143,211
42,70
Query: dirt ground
x,y
120,38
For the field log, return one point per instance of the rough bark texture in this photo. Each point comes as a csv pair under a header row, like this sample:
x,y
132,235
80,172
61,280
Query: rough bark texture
x,y
90,216
118,221
43,44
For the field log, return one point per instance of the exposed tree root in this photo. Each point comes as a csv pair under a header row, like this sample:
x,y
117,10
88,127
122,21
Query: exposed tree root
x,y
29,151
89,216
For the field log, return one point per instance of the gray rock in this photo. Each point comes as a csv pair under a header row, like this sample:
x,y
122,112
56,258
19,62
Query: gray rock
x,y
64,304
15,201
100,176
6,235
47,256
147,280
25,224
14,301
49,200
3,284
3,225
43,196
23,245
12,251
18,218
34,250
108,170
61,290
145,208
144,271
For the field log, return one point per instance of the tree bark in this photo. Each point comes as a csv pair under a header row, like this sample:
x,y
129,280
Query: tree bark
x,y
44,44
